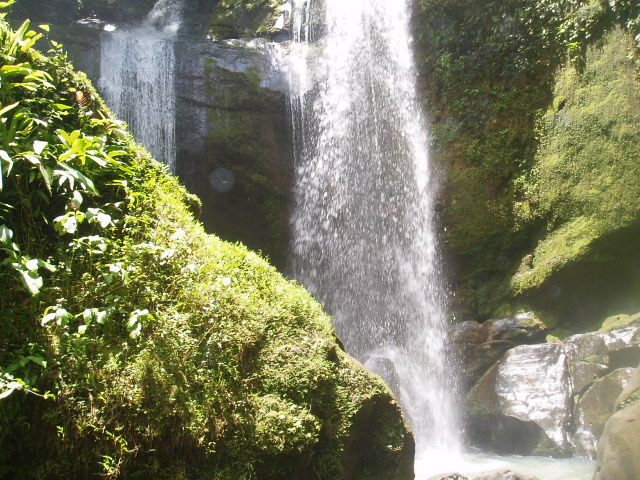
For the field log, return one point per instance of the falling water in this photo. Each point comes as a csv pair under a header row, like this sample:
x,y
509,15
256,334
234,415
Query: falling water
x,y
137,77
364,239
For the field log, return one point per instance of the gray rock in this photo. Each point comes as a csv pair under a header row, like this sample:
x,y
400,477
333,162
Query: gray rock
x,y
502,475
448,476
380,445
482,345
595,407
588,354
619,446
469,332
567,390
523,328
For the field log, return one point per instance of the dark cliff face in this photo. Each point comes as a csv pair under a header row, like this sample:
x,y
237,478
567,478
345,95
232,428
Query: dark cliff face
x,y
68,11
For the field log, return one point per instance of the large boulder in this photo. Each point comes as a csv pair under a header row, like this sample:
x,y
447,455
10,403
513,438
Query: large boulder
x,y
527,397
619,447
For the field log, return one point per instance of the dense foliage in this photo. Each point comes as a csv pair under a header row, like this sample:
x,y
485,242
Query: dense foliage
x,y
489,73
132,344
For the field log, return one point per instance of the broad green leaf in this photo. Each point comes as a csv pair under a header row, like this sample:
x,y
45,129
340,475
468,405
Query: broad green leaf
x,y
104,220
32,265
47,318
39,146
32,281
46,176
62,317
6,234
77,198
101,316
70,224
32,158
37,359
8,108
135,333
5,393
44,27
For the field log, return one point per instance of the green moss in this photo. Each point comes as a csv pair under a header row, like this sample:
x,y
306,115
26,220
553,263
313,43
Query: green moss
x,y
240,18
587,167
616,322
173,354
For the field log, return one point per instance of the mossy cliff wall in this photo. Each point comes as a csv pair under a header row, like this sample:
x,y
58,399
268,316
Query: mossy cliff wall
x,y
534,109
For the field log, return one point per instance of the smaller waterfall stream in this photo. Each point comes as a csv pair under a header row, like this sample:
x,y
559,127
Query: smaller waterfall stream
x,y
137,78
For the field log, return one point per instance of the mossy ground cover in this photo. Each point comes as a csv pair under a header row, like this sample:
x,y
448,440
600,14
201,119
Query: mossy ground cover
x,y
133,344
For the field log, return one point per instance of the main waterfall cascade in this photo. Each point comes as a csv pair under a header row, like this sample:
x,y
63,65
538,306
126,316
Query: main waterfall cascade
x,y
364,236
137,77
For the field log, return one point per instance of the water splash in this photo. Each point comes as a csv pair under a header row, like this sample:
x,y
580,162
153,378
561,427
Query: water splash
x,y
364,240
137,78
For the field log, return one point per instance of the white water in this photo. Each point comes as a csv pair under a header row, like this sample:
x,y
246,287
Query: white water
x,y
364,240
137,78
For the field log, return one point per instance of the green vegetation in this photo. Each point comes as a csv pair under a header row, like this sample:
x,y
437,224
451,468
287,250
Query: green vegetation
x,y
134,345
242,18
535,123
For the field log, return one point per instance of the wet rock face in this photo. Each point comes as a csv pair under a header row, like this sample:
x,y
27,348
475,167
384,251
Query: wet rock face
x,y
553,398
532,385
527,394
232,114
594,408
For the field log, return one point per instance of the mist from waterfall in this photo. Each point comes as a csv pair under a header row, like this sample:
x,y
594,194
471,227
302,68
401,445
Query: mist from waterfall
x,y
137,77
363,228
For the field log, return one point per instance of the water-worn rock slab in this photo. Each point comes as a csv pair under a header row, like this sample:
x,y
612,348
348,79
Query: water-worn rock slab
x,y
448,476
619,447
532,385
482,345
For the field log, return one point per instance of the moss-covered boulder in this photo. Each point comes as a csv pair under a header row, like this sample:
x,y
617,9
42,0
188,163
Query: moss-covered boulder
x,y
133,344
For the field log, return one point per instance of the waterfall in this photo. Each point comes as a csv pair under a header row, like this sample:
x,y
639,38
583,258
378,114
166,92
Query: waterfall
x,y
364,239
137,78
